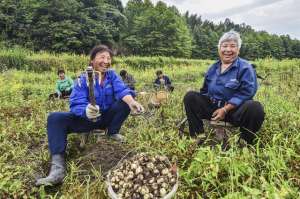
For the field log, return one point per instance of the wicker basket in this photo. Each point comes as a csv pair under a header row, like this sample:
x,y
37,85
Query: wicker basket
x,y
162,96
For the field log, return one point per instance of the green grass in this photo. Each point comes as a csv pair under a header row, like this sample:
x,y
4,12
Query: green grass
x,y
270,169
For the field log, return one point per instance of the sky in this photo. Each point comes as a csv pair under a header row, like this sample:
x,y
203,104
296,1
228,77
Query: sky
x,y
280,17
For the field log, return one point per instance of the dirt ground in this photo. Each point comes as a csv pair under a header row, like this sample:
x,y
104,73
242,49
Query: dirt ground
x,y
103,155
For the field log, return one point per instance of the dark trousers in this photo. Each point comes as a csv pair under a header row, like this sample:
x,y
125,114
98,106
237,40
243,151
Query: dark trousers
x,y
60,124
249,116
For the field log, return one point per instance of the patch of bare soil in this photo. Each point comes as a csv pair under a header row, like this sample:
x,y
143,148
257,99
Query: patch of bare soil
x,y
103,155
22,111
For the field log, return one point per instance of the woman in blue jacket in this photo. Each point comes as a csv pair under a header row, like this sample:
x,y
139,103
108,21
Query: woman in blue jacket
x,y
113,104
227,93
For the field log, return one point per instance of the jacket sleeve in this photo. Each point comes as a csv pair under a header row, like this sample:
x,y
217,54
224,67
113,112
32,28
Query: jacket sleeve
x,y
71,82
247,88
79,97
120,89
168,81
57,87
204,88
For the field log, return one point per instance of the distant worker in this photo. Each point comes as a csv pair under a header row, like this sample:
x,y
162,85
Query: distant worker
x,y
64,86
163,81
128,79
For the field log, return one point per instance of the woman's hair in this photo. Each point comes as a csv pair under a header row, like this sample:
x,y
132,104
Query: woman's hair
x,y
123,73
159,72
60,71
99,49
231,36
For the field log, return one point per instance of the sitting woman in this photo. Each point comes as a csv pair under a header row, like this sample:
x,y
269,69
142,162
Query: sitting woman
x,y
128,79
113,104
227,93
64,86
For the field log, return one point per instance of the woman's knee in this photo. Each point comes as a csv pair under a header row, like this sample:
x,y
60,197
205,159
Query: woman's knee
x,y
190,97
255,108
120,106
57,117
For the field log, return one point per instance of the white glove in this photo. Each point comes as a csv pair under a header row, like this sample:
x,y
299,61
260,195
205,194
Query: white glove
x,y
58,95
136,107
92,111
162,81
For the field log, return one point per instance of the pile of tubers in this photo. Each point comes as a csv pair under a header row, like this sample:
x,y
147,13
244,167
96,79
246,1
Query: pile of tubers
x,y
144,177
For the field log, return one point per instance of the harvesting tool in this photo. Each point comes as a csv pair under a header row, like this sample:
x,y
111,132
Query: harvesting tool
x,y
91,78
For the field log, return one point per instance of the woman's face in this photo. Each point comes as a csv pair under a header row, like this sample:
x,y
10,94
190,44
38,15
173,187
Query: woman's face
x,y
228,51
102,61
61,76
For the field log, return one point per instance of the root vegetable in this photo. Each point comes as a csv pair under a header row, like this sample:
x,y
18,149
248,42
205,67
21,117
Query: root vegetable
x,y
160,180
165,171
138,170
143,176
162,192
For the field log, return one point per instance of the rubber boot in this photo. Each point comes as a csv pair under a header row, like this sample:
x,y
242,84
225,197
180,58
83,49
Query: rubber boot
x,y
57,172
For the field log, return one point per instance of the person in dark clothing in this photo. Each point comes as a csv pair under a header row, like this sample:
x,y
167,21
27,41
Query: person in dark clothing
x,y
163,81
128,79
227,93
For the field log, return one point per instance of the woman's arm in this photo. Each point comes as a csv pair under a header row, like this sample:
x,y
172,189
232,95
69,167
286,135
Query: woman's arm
x,y
79,98
247,89
120,89
133,105
71,83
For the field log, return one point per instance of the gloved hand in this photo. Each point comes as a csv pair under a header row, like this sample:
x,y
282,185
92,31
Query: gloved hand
x,y
162,81
58,95
92,111
136,107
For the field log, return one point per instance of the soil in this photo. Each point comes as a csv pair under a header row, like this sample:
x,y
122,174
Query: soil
x,y
103,155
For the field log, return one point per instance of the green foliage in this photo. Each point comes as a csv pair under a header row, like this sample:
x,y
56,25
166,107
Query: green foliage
x,y
18,58
141,28
60,26
156,30
25,60
255,44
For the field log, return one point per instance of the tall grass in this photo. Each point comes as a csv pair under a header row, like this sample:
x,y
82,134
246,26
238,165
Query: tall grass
x,y
22,59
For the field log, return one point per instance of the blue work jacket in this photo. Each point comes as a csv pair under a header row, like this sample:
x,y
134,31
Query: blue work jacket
x,y
111,90
166,78
235,85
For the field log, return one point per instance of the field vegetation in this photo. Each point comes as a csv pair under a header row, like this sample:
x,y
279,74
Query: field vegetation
x,y
269,169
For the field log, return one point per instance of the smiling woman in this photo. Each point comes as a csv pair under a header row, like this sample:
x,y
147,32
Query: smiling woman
x,y
101,58
113,102
227,93
228,48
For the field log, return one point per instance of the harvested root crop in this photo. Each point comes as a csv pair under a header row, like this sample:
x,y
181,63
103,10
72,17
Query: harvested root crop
x,y
144,177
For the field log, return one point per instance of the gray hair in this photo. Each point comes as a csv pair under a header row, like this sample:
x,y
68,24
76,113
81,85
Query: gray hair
x,y
231,36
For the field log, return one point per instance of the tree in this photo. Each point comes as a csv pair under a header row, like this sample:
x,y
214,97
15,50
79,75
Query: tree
x,y
61,26
156,30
